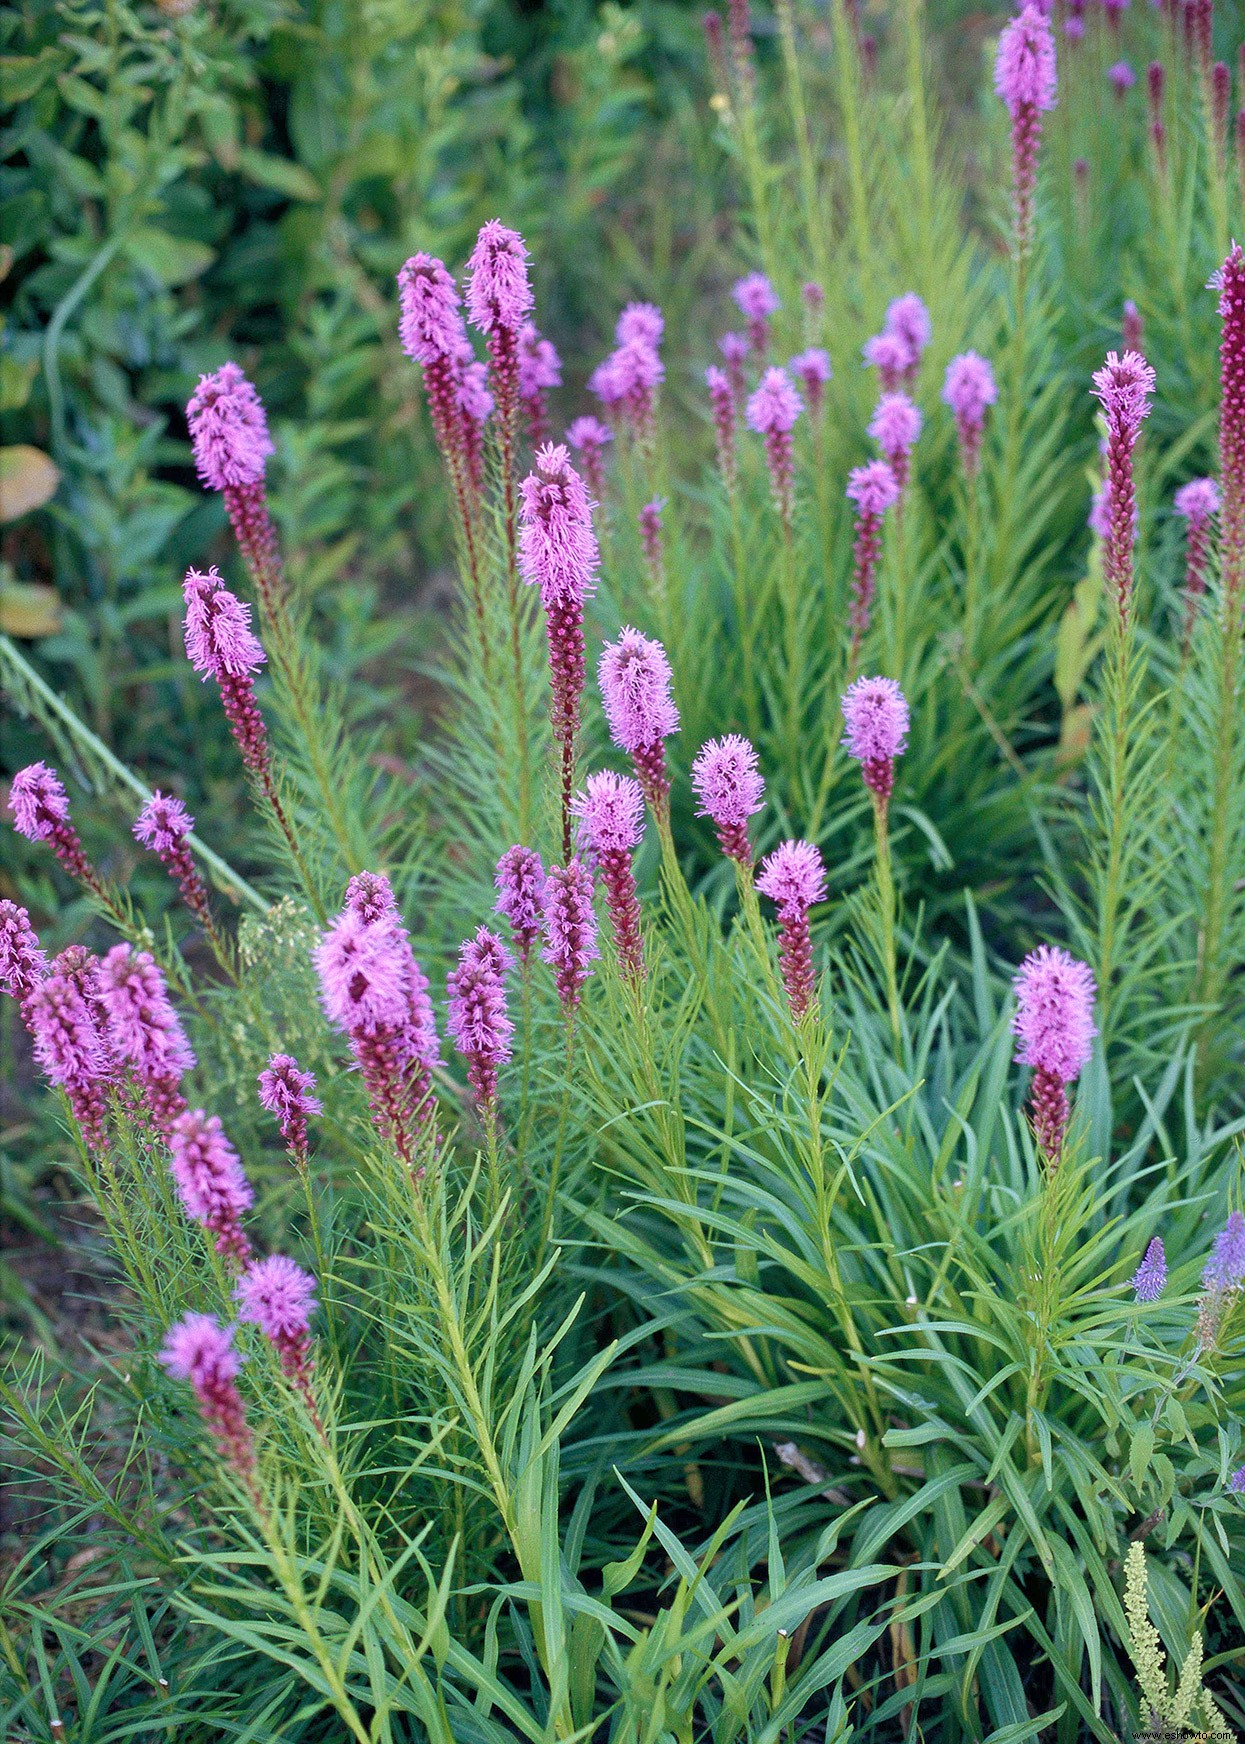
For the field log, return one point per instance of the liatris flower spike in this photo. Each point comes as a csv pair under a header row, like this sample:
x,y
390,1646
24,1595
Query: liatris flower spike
x,y
280,1298
890,356
969,389
723,406
520,884
499,296
1122,78
876,714
285,1090
478,1020
200,1350
431,332
163,825
1198,503
731,789
651,544
895,426
210,1181
772,412
756,300
71,1051
1225,1269
1229,281
635,678
1132,328
812,370
640,324
144,1029
795,878
1024,77
229,435
1150,1278
540,369
570,931
734,349
23,963
589,438
1123,387
612,809
221,645
1054,1029
907,319
40,808
873,489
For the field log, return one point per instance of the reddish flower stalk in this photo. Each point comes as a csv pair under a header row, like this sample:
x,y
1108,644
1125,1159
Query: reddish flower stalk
x,y
873,489
651,544
520,884
634,675
570,931
199,1350
478,1021
280,1298
794,877
589,437
722,403
739,27
612,809
210,1181
286,1091
1198,503
1156,79
1024,77
812,370
731,789
1229,281
734,349
1054,1029
1123,387
163,825
1132,327
229,435
1220,111
891,357
144,1029
772,413
40,808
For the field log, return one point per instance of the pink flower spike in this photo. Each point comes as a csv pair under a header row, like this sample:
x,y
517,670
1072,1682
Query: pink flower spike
x,y
1054,1029
772,412
969,389
875,711
280,1298
635,678
520,884
499,293
812,370
210,1181
23,964
734,349
731,789
1229,281
652,546
1198,503
198,1349
478,1021
570,930
891,356
430,325
794,877
612,809
163,825
895,426
873,489
1132,328
907,319
144,1029
228,430
756,300
640,324
286,1092
70,1050
589,438
1024,77
40,808
1122,78
722,402
221,645
1123,387
540,369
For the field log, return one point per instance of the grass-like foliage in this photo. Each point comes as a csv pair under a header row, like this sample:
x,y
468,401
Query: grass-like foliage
x,y
746,1132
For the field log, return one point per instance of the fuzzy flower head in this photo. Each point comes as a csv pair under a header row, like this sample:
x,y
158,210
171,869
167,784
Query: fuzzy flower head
x,y
520,884
22,961
477,1019
557,546
734,349
873,488
1054,1021
540,367
1024,67
430,324
209,1177
1122,77
775,405
278,1297
1150,1278
588,432
1123,387
969,387
755,297
38,801
143,1026
612,809
163,823
875,711
890,355
793,876
200,1350
67,1042
285,1090
728,782
370,896
499,293
1225,1269
1198,500
363,968
570,930
812,370
219,638
228,430
907,319
635,680
472,392
895,425
640,324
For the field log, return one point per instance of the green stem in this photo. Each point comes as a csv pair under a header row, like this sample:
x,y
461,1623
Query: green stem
x,y
886,910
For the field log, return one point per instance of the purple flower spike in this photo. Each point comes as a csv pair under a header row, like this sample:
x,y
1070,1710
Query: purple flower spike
x,y
145,1030
1123,387
40,808
430,323
812,370
1150,1278
210,1181
478,1021
635,679
570,930
612,809
891,356
772,412
1122,78
1229,281
875,711
1236,1483
286,1092
1024,77
163,825
908,319
969,389
722,402
23,963
1054,1030
1198,503
520,884
499,293
70,1050
228,430
222,646
589,437
895,426
731,789
652,544
794,876
200,1350
540,369
873,489
640,324
280,1297
734,349
1225,1269
756,300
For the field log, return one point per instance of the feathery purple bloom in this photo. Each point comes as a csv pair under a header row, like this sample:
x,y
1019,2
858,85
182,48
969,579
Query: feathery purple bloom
x,y
908,318
969,389
520,884
895,426
1025,78
1150,1278
200,1350
875,712
812,370
285,1091
163,825
70,1050
23,963
40,808
144,1029
734,350
1123,387
731,789
277,1296
589,437
221,645
1198,503
1054,1030
1122,78
1225,1269
891,356
640,324
794,877
634,675
756,300
540,369
430,323
570,930
772,412
210,1180
478,1021
612,809
874,489
228,430
1229,281
499,293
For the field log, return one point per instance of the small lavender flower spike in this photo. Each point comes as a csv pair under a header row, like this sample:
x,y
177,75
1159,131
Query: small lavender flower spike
x,y
280,1298
969,389
1229,281
873,489
478,1020
652,545
1198,503
734,349
1225,1269
612,809
1025,78
221,645
795,878
540,369
772,413
1122,78
635,680
70,1050
499,301
589,437
40,808
722,404
875,711
812,370
1123,387
1132,327
23,963
210,1181
756,300
145,1030
731,789
1054,1029
285,1091
200,1350
431,332
891,356
163,825
1236,1482
1150,1278
895,426
907,319
229,435
640,324
520,884
570,931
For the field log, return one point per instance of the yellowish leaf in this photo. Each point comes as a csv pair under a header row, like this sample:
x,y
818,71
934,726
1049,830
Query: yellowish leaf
x,y
28,479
